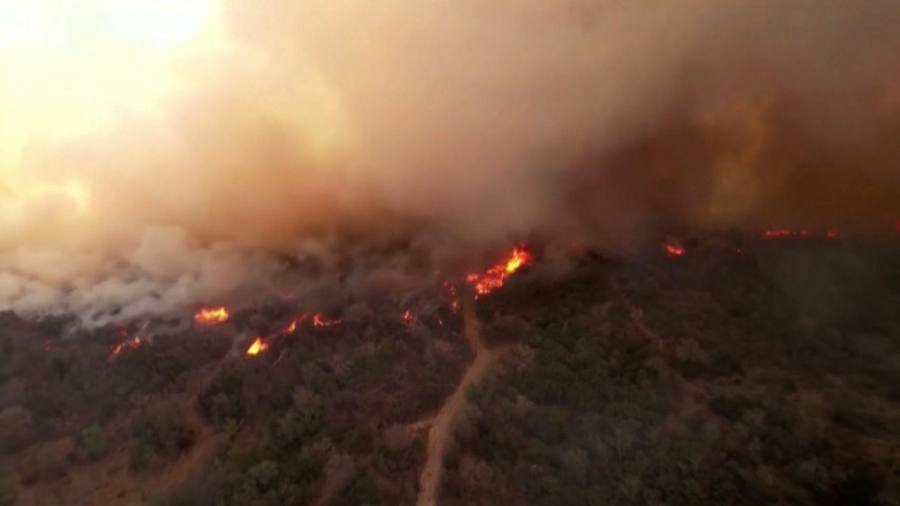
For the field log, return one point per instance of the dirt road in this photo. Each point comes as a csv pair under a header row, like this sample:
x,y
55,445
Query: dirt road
x,y
442,425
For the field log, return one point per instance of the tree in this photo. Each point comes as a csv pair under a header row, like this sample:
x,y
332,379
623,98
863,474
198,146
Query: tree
x,y
93,440
10,487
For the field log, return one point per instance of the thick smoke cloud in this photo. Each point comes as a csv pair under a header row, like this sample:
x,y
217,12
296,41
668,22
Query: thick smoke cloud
x,y
323,122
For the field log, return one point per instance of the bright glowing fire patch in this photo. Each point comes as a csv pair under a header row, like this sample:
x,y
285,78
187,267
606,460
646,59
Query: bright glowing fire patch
x,y
211,316
257,347
673,251
494,277
134,343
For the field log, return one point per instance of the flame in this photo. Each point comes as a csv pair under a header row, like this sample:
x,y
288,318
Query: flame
x,y
783,232
318,321
257,347
673,251
451,291
212,316
494,277
134,343
407,316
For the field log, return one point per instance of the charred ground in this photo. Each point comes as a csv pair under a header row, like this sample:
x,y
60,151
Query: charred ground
x,y
728,371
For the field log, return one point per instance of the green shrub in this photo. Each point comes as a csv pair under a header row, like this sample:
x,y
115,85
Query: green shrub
x,y
93,441
157,435
10,487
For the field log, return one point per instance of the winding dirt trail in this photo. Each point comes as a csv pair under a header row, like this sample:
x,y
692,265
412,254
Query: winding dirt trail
x,y
441,426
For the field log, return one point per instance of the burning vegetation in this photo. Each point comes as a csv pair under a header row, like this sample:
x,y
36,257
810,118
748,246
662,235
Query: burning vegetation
x,y
682,353
133,343
482,284
212,316
648,339
493,278
256,348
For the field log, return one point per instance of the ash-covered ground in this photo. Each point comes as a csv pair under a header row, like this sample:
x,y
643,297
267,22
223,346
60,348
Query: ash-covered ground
x,y
728,369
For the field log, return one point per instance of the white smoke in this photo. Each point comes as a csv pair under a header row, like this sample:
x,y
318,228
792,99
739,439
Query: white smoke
x,y
305,118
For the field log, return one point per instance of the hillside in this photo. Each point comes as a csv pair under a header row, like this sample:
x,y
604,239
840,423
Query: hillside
x,y
762,374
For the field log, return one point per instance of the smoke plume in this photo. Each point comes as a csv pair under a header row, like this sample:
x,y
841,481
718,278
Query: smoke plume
x,y
308,128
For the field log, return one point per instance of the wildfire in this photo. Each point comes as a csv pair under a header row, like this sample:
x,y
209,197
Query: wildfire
x,y
494,277
262,344
212,316
257,347
318,321
783,232
673,251
451,291
134,343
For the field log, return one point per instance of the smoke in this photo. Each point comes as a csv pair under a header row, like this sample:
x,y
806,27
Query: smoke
x,y
308,123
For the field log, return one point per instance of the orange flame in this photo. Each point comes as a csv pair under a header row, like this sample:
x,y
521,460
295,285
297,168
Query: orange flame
x,y
318,321
783,232
494,277
211,316
406,316
451,290
673,251
134,343
257,347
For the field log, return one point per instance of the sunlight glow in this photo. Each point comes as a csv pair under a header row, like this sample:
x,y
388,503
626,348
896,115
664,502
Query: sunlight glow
x,y
70,67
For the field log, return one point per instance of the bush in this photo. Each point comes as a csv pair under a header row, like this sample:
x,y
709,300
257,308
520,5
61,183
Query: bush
x,y
93,441
10,487
222,401
158,435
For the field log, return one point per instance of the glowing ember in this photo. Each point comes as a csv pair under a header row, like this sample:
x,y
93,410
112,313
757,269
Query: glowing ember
x,y
318,321
451,291
673,251
257,347
134,343
211,316
406,316
785,233
494,277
